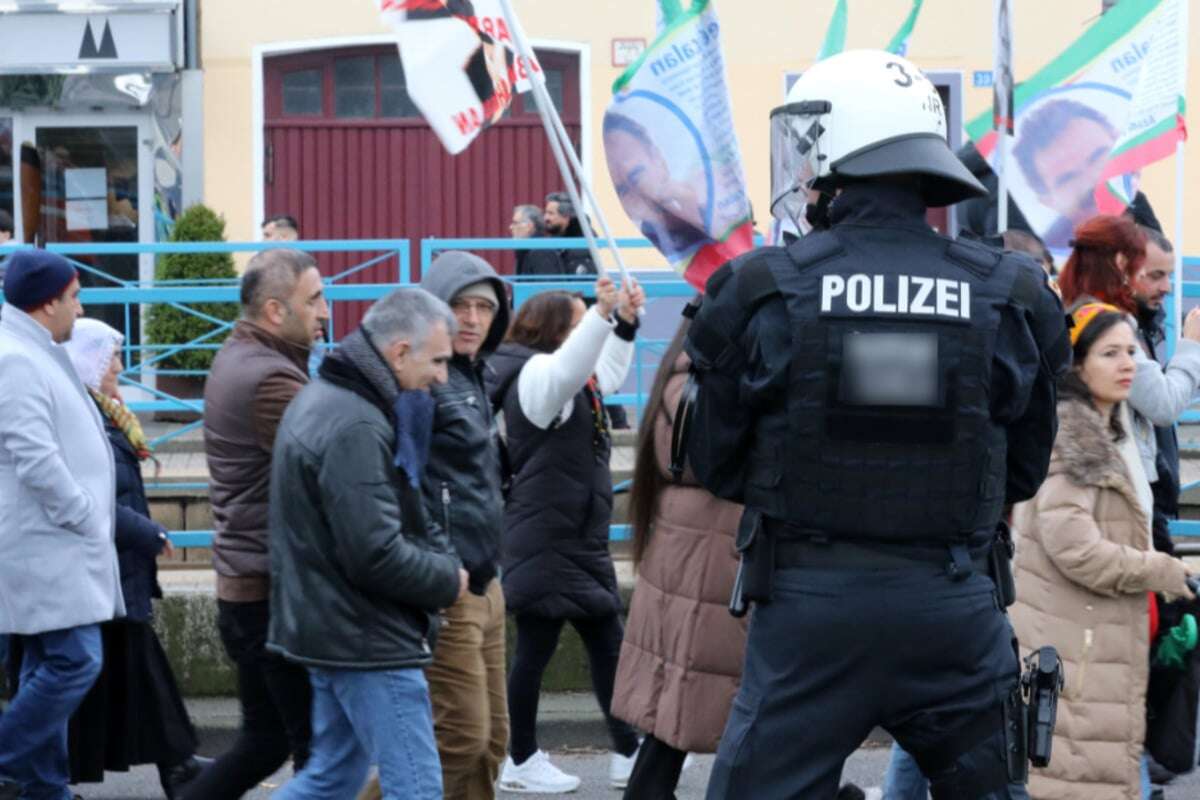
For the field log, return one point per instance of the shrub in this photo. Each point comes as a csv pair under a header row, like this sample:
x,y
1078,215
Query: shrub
x,y
168,325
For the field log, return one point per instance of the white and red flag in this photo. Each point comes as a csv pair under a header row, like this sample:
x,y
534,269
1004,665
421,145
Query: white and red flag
x,y
460,63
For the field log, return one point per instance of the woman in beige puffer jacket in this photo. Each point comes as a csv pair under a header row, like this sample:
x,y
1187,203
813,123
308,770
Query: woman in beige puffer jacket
x,y
1084,567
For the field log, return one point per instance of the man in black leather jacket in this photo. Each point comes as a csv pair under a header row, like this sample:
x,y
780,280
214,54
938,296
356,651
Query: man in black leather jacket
x,y
463,495
357,577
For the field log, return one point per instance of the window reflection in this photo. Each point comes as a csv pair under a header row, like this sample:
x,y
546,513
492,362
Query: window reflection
x,y
354,87
303,93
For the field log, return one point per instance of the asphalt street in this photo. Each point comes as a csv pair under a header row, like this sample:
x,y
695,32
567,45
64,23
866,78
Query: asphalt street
x,y
865,768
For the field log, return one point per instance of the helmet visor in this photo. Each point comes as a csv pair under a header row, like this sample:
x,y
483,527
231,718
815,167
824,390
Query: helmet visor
x,y
795,150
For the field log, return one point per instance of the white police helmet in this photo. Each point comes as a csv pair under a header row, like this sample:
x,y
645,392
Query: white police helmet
x,y
862,114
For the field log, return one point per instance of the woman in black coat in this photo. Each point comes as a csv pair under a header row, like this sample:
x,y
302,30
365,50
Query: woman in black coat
x,y
134,713
558,361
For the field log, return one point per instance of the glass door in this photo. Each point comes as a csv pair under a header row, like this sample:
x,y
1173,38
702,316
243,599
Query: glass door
x,y
85,181
7,183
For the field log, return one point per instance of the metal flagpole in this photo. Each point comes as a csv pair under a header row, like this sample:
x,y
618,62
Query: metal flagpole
x,y
1002,180
1003,111
1179,194
564,150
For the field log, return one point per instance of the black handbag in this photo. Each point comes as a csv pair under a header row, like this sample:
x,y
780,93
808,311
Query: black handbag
x,y
1173,700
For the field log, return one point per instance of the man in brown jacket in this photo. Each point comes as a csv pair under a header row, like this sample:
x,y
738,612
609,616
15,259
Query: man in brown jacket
x,y
262,366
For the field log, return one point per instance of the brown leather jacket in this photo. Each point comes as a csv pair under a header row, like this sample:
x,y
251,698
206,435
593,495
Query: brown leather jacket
x,y
253,378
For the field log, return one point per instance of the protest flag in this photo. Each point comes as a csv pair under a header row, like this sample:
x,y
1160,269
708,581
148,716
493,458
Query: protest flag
x,y
671,148
460,64
1091,119
464,60
899,42
835,34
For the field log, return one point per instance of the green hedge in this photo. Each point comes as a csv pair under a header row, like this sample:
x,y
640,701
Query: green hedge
x,y
168,325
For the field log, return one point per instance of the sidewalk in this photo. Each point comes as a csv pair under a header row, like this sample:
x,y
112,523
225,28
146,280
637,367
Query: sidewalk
x,y
566,721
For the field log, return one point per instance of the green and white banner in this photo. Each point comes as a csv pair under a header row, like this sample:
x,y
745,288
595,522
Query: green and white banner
x,y
671,148
1090,120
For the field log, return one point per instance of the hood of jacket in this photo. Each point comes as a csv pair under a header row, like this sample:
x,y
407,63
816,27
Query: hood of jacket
x,y
1086,453
453,271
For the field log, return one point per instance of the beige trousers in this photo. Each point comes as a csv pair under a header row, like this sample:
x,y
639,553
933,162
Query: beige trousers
x,y
467,684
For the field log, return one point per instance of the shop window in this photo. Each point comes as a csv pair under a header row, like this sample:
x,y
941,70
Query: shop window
x,y
303,93
354,86
394,100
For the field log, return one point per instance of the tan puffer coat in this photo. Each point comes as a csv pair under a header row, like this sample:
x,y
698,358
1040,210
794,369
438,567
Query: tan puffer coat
x,y
1084,567
681,661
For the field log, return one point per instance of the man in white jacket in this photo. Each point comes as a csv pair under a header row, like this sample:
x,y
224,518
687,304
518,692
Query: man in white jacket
x,y
58,574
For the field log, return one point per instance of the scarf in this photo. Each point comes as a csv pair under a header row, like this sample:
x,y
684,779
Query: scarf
x,y
358,366
125,421
600,427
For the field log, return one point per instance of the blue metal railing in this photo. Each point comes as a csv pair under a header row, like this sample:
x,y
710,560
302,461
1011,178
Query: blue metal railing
x,y
141,358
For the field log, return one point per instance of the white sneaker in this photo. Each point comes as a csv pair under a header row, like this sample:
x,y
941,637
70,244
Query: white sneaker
x,y
536,776
619,770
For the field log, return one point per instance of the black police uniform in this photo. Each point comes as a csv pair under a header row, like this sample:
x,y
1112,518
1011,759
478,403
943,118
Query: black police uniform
x,y
876,395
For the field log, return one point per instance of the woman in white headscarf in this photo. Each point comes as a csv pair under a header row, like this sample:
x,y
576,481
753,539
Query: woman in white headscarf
x,y
134,713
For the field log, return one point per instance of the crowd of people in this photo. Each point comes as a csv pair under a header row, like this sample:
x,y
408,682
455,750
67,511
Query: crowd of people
x,y
454,469
558,219
447,465
1094,540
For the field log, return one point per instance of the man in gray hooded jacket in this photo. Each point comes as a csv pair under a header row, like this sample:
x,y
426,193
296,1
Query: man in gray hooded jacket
x,y
462,492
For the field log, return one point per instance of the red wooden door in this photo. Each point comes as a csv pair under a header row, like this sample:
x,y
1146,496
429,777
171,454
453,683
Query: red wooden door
x,y
349,156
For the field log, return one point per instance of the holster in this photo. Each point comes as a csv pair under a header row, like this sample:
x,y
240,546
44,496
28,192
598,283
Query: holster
x,y
1042,682
754,579
1016,735
1000,562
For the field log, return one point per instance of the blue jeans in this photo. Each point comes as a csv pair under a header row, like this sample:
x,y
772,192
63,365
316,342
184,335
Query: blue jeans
x,y
361,718
57,671
904,780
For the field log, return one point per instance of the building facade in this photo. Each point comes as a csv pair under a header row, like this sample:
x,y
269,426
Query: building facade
x,y
93,99
114,115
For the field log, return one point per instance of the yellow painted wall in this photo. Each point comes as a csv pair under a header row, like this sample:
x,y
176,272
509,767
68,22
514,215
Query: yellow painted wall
x,y
762,40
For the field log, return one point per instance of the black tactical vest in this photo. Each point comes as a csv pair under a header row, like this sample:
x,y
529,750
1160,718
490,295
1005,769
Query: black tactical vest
x,y
888,433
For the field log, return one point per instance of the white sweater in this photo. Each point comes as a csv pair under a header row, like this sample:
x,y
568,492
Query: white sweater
x,y
549,382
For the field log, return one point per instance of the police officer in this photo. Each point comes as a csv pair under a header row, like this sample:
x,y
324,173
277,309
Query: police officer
x,y
876,394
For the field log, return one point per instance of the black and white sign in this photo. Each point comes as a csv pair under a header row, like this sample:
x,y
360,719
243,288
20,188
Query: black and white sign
x,y
111,42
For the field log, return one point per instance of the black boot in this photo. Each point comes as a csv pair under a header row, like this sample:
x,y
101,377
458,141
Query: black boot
x,y
9,790
175,779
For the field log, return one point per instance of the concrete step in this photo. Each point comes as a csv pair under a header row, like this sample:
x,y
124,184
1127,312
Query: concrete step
x,y
186,621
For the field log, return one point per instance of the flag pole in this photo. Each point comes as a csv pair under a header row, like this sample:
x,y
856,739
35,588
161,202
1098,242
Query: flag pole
x,y
1179,195
1002,180
561,145
1002,102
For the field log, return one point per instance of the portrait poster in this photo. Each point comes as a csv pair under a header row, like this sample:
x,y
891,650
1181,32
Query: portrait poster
x,y
671,148
1090,120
